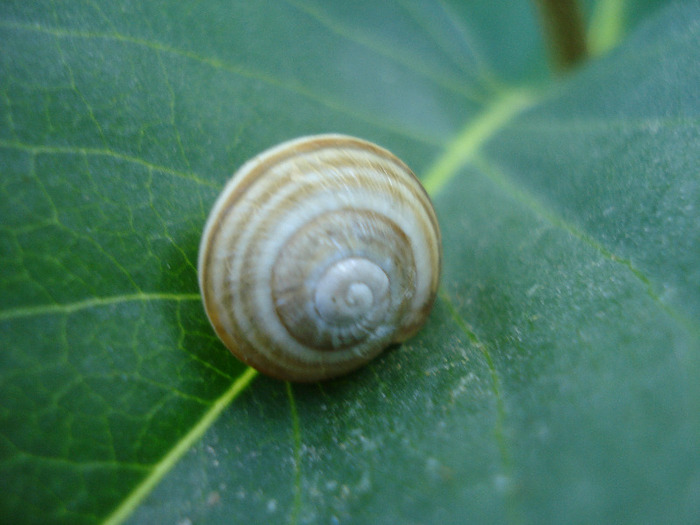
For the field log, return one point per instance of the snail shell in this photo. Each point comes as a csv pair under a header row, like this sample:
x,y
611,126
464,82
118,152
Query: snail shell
x,y
318,254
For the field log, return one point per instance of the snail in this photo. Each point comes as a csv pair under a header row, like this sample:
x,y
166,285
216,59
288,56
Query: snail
x,y
319,253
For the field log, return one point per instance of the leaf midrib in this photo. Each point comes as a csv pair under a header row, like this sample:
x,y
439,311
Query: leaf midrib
x,y
161,468
436,179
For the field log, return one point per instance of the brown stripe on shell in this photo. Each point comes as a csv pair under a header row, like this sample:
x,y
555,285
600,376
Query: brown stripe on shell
x,y
301,154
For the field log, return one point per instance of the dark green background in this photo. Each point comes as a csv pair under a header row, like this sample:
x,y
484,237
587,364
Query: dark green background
x,y
556,380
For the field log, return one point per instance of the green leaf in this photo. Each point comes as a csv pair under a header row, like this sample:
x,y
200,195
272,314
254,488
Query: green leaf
x,y
557,379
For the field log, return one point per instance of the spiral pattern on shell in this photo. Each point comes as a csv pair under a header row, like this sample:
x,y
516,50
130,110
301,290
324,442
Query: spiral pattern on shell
x,y
319,253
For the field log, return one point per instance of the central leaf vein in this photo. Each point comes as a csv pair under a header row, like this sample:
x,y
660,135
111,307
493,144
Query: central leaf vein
x,y
178,450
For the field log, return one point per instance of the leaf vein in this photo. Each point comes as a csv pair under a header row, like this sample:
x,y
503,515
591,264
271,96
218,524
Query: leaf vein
x,y
216,63
473,135
22,455
169,460
412,63
75,150
96,302
501,414
523,196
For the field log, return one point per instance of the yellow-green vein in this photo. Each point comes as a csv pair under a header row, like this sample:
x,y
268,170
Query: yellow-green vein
x,y
70,150
69,308
183,445
474,134
458,153
499,428
495,381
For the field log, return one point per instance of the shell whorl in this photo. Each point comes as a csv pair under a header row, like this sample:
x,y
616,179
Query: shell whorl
x,y
319,253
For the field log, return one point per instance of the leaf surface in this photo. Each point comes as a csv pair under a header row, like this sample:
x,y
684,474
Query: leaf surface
x,y
557,377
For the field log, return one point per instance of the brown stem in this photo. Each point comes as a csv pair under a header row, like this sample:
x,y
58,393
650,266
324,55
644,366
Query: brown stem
x,y
563,25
